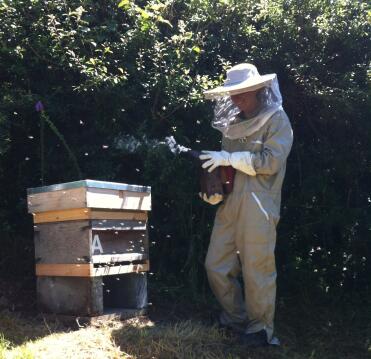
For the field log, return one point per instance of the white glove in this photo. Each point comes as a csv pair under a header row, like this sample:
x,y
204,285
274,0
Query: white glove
x,y
213,199
215,159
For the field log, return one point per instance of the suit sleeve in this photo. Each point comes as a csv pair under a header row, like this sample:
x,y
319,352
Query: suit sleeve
x,y
276,147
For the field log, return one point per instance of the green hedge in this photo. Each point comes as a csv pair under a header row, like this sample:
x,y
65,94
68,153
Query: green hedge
x,y
117,78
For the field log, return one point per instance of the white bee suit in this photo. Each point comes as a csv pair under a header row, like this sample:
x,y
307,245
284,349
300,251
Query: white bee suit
x,y
244,232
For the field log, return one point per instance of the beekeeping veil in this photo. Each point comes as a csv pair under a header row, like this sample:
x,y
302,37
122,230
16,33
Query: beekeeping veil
x,y
244,78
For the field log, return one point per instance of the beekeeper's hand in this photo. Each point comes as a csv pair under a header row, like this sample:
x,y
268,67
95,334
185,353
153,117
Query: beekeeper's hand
x,y
213,199
215,159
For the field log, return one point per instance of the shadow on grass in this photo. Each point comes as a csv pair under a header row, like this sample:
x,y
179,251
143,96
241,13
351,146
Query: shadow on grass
x,y
18,328
183,340
181,328
307,329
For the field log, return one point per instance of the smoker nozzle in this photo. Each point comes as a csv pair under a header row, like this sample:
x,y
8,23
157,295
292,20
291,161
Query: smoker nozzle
x,y
193,154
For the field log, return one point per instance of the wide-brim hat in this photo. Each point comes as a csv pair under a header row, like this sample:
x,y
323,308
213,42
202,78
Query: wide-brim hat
x,y
241,78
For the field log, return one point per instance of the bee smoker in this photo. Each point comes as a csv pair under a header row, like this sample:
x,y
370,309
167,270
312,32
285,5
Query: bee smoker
x,y
218,181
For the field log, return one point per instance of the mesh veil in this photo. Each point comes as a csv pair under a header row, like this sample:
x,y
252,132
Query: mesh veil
x,y
226,118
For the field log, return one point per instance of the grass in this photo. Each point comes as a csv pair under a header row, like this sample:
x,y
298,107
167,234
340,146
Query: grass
x,y
181,329
4,345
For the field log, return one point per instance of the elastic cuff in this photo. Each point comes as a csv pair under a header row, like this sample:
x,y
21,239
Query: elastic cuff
x,y
242,161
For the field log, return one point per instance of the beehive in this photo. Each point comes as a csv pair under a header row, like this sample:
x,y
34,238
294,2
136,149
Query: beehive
x,y
91,246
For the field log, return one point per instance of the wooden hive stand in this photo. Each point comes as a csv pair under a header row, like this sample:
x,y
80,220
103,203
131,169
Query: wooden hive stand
x,y
91,248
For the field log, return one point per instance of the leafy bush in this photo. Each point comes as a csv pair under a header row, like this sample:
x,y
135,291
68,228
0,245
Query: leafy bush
x,y
116,78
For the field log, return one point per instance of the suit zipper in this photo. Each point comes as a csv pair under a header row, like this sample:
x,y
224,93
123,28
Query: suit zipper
x,y
257,200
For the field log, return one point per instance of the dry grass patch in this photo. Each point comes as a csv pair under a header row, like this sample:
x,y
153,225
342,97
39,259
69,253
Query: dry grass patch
x,y
187,339
133,339
306,331
84,343
28,338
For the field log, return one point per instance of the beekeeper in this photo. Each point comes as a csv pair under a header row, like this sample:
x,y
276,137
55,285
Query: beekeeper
x,y
257,138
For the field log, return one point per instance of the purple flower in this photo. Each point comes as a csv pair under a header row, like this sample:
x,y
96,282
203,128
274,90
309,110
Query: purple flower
x,y
39,107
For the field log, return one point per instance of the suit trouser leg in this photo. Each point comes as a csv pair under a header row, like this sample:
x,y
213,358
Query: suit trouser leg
x,y
223,267
247,231
256,246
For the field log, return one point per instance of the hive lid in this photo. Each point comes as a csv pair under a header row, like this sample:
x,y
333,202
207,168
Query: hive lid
x,y
90,184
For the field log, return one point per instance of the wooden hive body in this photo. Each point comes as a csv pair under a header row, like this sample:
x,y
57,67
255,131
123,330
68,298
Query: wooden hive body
x,y
86,231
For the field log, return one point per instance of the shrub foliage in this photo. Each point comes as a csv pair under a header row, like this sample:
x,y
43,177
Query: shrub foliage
x,y
116,78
